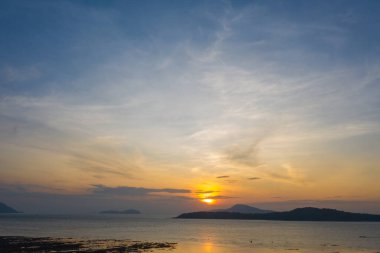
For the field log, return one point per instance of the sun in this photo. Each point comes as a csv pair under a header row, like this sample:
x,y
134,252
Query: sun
x,y
208,201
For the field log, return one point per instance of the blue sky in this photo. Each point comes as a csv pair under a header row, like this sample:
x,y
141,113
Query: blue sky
x,y
175,94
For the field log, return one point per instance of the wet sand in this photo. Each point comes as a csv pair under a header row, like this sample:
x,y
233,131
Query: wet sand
x,y
21,244
17,244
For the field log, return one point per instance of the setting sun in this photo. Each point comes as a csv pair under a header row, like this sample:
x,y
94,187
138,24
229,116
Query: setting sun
x,y
208,201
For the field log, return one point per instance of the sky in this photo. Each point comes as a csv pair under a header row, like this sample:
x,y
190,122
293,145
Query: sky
x,y
172,106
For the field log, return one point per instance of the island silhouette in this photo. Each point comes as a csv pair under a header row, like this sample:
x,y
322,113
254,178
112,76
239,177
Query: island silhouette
x,y
298,214
241,208
7,209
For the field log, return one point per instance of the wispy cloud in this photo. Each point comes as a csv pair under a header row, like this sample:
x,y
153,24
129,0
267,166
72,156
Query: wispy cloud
x,y
223,177
221,197
205,192
10,74
246,155
134,191
254,178
103,158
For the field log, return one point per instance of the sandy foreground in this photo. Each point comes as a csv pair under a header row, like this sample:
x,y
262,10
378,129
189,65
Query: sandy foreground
x,y
13,244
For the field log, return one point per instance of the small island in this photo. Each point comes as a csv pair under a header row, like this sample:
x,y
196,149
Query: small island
x,y
298,214
7,209
127,211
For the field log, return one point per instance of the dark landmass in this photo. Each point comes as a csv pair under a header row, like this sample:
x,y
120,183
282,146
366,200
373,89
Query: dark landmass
x,y
7,209
299,214
240,208
128,211
17,244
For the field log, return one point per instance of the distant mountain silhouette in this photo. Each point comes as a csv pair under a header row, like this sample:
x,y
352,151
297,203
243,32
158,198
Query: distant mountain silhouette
x,y
299,214
7,209
240,208
128,211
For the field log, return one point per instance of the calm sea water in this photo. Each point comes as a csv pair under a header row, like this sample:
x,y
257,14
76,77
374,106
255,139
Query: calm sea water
x,y
204,235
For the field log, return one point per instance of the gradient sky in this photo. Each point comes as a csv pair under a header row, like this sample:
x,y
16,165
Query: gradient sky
x,y
156,105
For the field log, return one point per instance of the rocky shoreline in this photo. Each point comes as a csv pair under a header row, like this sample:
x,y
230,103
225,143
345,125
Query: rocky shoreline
x,y
21,244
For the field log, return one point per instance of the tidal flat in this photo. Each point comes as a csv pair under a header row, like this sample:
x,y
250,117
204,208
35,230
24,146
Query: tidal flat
x,y
23,244
18,244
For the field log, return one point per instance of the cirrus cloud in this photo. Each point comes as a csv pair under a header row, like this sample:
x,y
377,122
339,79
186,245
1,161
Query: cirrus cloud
x,y
134,191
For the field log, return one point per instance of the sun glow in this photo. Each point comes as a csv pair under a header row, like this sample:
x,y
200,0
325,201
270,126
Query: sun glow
x,y
207,193
208,201
208,247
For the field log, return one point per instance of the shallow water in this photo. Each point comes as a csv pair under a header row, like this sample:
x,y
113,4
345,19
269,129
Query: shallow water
x,y
219,236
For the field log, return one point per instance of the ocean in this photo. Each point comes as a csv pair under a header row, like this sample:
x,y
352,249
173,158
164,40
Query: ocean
x,y
203,236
